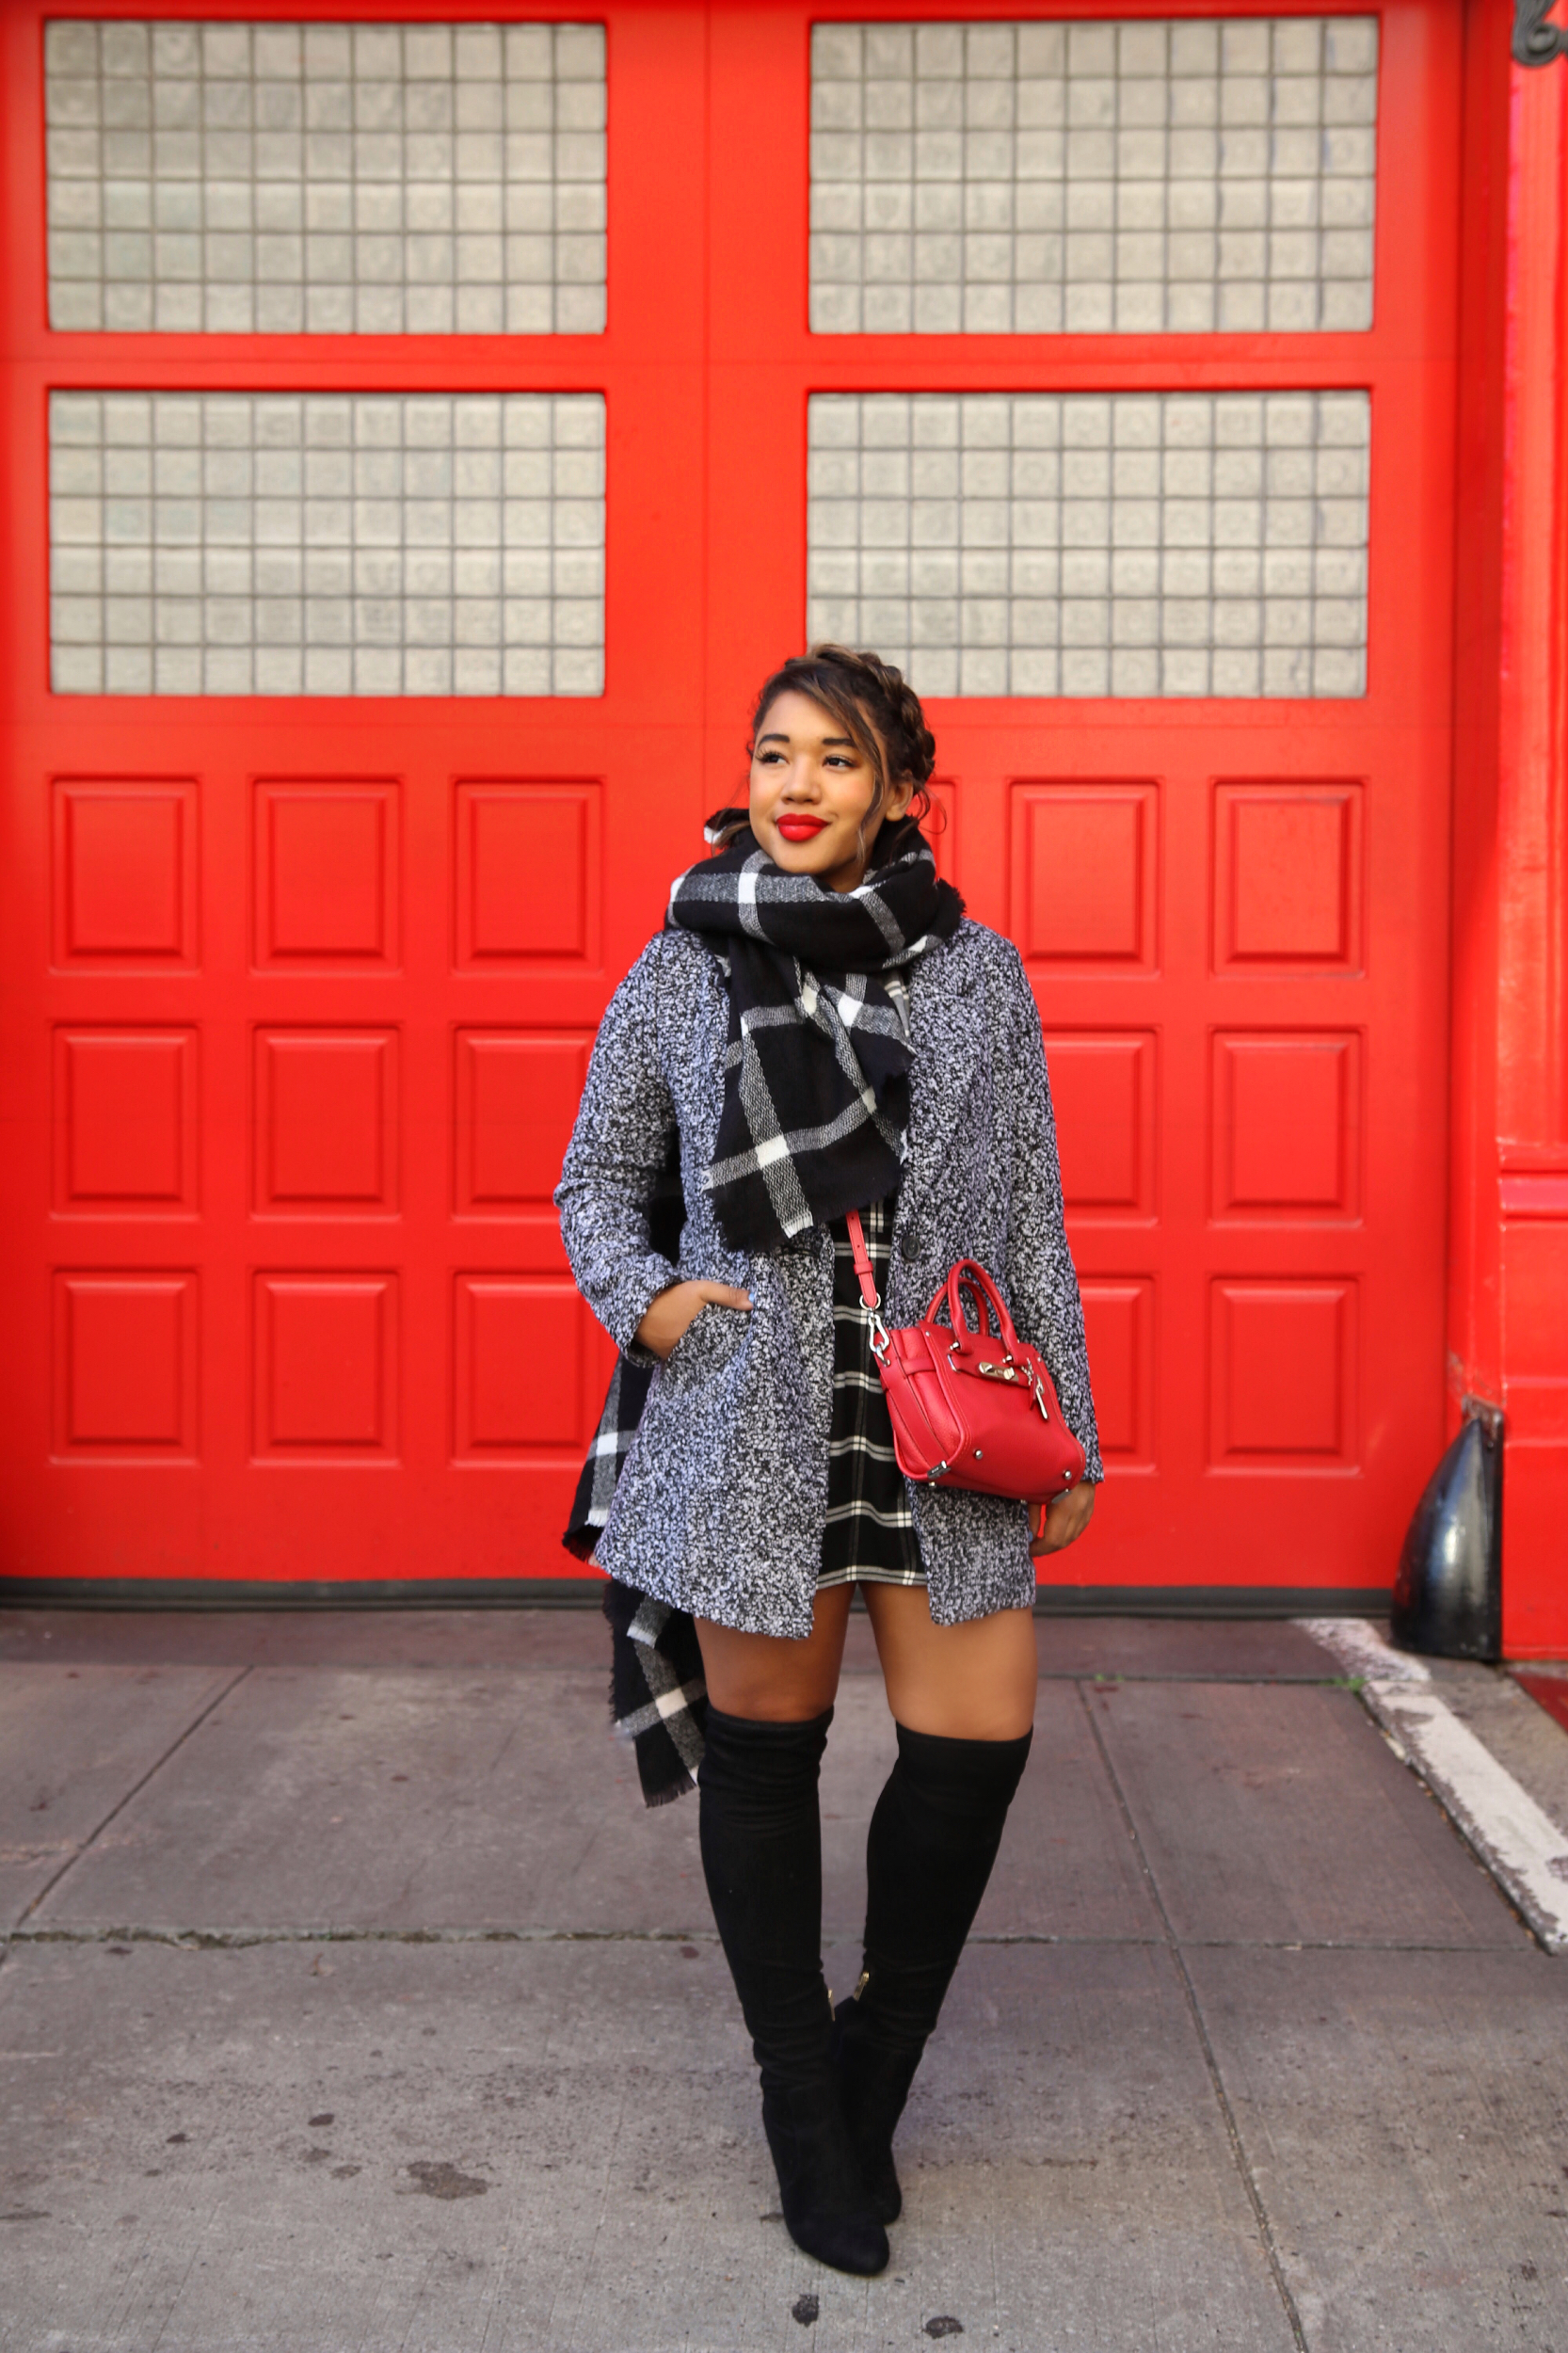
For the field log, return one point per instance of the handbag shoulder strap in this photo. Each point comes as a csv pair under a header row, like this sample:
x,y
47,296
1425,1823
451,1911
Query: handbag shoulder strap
x,y
869,1299
862,1261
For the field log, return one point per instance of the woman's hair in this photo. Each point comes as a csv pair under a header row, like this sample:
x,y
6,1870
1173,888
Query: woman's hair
x,y
876,707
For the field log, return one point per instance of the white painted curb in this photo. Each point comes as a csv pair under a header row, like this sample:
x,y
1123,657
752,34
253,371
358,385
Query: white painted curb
x,y
1523,1847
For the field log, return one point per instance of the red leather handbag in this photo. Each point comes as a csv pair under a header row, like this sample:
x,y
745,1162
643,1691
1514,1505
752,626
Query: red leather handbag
x,y
968,1409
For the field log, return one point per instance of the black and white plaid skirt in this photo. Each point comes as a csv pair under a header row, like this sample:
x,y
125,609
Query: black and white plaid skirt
x,y
869,1537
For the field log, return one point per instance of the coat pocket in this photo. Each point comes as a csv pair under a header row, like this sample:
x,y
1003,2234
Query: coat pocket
x,y
713,1336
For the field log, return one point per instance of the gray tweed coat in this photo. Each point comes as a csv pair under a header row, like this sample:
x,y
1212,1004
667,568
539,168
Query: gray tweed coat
x,y
721,1504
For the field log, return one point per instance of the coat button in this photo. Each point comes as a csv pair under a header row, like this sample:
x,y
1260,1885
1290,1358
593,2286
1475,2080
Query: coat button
x,y
909,1248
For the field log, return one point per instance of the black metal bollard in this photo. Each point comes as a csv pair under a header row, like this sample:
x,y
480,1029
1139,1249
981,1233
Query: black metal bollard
x,y
1448,1595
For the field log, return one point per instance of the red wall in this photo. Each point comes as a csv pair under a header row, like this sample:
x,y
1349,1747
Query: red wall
x,y
1509,1248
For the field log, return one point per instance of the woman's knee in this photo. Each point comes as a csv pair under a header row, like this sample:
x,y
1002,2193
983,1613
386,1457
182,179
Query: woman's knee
x,y
763,1691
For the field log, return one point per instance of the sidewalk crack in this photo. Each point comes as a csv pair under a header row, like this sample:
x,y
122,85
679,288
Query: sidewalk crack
x,y
118,1808
209,1937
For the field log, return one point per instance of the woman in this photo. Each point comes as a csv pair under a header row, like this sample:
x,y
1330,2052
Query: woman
x,y
819,1028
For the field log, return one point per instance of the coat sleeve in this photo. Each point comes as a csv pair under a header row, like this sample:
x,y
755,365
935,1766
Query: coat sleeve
x,y
1042,1282
620,1151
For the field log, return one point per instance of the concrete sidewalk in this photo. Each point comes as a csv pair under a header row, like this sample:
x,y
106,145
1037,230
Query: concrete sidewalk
x,y
353,2001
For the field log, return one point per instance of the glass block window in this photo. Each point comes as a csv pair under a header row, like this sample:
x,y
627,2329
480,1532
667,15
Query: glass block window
x,y
1180,177
280,179
262,543
1090,544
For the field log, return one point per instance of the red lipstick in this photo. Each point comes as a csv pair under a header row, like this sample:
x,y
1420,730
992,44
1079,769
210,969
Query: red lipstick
x,y
799,827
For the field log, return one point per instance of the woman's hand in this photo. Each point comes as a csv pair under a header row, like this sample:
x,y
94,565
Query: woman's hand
x,y
673,1311
1061,1522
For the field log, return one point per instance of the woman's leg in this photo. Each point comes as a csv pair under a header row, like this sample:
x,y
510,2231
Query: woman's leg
x,y
774,1681
770,1703
962,1699
971,1682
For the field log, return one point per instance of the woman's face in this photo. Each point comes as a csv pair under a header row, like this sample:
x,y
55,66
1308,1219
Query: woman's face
x,y
811,792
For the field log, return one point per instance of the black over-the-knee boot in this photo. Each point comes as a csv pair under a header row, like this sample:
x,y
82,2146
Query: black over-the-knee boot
x,y
934,1838
762,1853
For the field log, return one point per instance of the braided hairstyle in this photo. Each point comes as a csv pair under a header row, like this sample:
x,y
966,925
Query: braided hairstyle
x,y
874,704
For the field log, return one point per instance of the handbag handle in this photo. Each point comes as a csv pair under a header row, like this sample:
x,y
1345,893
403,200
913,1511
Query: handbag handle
x,y
970,1276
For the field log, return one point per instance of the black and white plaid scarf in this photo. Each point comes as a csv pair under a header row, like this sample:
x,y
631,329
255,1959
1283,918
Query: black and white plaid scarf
x,y
608,1448
658,1697
816,1080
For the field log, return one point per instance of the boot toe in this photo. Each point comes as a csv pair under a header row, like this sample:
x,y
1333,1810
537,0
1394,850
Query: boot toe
x,y
848,2242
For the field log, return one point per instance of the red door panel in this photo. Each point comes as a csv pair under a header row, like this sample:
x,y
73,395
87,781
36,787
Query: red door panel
x,y
326,1369
125,880
126,1365
125,1120
1288,876
1085,866
328,874
1103,1089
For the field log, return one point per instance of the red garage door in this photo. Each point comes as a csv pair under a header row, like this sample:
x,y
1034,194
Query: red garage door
x,y
388,578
